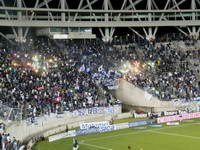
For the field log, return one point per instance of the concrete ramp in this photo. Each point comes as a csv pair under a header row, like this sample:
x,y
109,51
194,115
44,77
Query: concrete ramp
x,y
136,97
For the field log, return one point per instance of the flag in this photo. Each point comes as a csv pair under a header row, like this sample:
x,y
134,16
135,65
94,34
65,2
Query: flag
x,y
100,68
82,68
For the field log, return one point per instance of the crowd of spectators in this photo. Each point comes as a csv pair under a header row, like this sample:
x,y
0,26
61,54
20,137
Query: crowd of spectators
x,y
169,74
8,142
42,77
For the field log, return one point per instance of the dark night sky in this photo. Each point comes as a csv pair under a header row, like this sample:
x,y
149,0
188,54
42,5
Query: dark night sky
x,y
116,3
73,4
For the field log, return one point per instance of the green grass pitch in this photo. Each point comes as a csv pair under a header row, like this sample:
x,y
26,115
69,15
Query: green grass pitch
x,y
186,136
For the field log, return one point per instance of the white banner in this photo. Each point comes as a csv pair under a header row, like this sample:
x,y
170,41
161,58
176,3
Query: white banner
x,y
102,124
157,113
140,115
121,126
172,123
178,117
71,133
170,113
116,109
60,36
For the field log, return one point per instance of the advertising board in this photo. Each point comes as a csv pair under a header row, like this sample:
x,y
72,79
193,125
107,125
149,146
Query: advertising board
x,y
178,117
71,133
172,123
94,130
90,125
121,126
140,123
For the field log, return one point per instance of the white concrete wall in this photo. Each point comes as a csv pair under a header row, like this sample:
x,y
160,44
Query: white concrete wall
x,y
131,95
53,124
124,115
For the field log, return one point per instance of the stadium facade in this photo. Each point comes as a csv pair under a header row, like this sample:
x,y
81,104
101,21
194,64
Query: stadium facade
x,y
65,22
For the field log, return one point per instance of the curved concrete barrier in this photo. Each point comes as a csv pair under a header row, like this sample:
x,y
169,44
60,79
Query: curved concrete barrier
x,y
52,124
133,96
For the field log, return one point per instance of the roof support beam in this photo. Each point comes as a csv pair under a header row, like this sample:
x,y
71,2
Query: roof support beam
x,y
16,23
79,6
32,15
99,10
91,3
7,14
44,3
133,4
177,6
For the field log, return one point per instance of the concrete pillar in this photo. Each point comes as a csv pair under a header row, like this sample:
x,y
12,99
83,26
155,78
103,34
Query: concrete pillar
x,y
63,17
150,32
19,16
107,30
194,33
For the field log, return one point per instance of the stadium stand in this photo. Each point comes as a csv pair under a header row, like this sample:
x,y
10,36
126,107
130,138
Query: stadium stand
x,y
38,78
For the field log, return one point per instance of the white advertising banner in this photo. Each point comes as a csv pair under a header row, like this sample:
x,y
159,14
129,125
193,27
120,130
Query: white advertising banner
x,y
71,133
90,125
170,113
140,115
121,126
178,117
117,109
172,123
